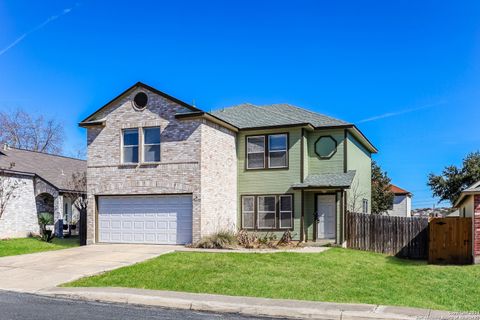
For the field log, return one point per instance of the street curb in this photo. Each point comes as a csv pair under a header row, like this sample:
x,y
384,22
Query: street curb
x,y
259,307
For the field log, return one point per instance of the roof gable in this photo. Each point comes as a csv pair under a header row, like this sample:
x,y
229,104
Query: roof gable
x,y
398,190
93,117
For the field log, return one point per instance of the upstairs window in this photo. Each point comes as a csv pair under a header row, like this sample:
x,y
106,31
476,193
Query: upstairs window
x,y
130,146
151,144
277,151
267,151
256,152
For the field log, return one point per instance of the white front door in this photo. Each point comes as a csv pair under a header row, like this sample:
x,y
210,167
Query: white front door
x,y
326,216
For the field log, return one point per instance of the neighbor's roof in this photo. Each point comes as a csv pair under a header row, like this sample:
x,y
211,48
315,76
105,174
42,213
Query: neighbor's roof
x,y
398,190
473,189
248,116
327,180
56,170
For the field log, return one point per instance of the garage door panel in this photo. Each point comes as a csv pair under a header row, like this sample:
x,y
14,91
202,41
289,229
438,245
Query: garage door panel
x,y
145,219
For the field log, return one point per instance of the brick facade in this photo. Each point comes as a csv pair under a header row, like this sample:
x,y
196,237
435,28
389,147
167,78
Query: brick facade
x,y
20,216
476,225
193,155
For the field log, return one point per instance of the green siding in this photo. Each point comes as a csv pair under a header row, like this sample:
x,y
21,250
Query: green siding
x,y
359,159
272,181
279,181
332,165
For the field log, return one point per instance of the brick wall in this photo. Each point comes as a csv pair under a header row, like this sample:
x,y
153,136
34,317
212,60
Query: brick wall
x,y
180,168
218,179
20,215
476,225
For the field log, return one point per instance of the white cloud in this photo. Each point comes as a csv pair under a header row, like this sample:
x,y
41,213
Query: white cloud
x,y
397,113
38,27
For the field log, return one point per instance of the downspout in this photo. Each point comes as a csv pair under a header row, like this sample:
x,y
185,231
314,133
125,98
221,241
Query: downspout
x,y
302,173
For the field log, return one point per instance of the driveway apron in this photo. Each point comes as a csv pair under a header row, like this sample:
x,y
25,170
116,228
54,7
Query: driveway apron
x,y
37,271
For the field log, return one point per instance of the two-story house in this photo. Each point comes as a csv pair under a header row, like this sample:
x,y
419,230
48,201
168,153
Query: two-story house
x,y
163,171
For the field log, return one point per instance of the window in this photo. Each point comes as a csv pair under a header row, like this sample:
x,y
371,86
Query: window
x,y
248,212
267,151
365,206
256,152
286,210
267,212
130,146
277,151
151,144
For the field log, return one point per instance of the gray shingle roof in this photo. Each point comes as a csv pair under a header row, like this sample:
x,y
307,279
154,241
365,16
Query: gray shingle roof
x,y
250,116
333,180
56,170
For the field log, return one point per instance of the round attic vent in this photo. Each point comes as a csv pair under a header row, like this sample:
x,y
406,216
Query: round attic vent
x,y
140,100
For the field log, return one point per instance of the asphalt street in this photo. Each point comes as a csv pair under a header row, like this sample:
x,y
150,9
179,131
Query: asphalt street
x,y
19,306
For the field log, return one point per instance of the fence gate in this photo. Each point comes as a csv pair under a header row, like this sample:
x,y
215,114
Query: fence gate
x,y
450,240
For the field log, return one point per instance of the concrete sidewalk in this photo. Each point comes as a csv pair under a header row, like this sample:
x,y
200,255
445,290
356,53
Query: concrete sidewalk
x,y
247,305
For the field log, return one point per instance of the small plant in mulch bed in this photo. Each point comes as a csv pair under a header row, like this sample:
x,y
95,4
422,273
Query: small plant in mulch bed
x,y
268,241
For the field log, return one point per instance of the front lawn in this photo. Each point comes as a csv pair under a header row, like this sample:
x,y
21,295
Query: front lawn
x,y
338,275
13,247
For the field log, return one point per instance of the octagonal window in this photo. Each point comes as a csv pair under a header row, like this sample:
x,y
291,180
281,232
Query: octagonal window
x,y
325,147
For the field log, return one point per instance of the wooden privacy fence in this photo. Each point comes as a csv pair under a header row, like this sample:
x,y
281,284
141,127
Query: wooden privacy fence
x,y
450,241
397,236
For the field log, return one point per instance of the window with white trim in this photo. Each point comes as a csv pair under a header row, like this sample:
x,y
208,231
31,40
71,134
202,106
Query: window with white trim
x,y
248,212
277,150
285,212
266,212
130,145
151,144
256,152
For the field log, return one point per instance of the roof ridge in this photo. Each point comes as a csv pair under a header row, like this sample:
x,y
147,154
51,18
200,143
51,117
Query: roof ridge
x,y
306,110
39,152
292,118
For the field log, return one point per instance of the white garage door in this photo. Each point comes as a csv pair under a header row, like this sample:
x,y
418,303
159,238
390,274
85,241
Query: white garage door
x,y
145,219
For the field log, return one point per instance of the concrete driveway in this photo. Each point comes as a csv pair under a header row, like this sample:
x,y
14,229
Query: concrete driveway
x,y
34,272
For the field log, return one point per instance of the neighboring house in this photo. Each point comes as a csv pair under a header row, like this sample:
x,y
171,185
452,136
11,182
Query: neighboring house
x,y
163,171
42,180
468,205
402,202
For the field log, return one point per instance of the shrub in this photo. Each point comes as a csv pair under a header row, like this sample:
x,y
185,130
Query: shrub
x,y
286,238
44,219
220,240
246,239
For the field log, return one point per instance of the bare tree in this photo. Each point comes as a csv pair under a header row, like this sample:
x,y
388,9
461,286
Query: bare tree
x,y
77,193
355,201
8,186
22,130
77,185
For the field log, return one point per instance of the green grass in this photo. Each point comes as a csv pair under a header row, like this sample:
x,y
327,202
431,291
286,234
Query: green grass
x,y
338,275
13,247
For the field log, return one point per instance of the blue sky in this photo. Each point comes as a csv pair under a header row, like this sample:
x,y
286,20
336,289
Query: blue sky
x,y
407,72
